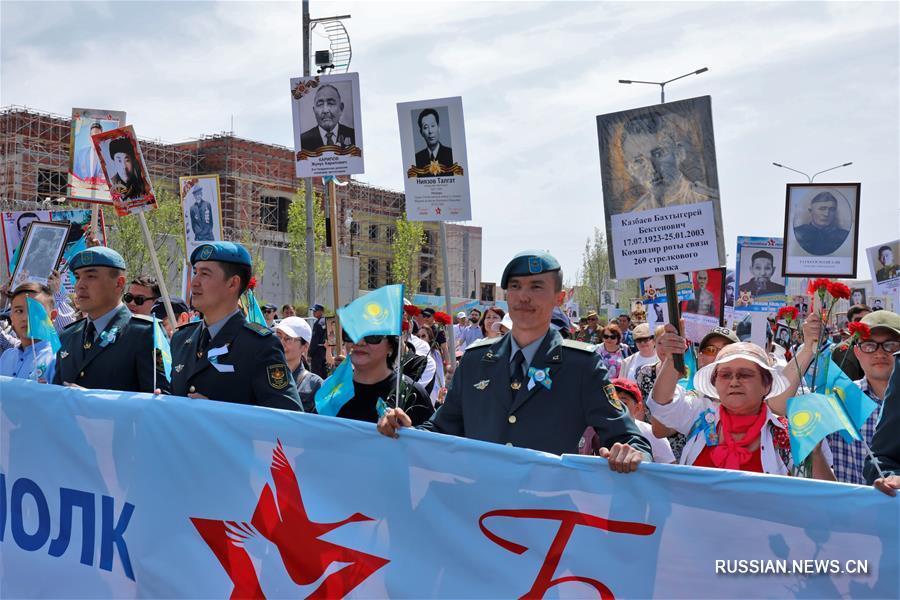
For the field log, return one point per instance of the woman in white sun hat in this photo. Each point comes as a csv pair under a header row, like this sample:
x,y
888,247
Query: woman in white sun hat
x,y
728,423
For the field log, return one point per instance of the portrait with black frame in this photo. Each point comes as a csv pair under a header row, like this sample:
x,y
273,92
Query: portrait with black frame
x,y
42,249
821,230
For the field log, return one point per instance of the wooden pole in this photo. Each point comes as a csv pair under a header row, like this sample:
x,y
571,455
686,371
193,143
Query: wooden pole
x,y
159,275
335,259
451,343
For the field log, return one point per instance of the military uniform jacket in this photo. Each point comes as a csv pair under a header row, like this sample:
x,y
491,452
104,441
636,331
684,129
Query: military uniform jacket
x,y
120,358
480,404
244,363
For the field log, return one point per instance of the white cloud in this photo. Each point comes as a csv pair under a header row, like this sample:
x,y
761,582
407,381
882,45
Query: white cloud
x,y
807,84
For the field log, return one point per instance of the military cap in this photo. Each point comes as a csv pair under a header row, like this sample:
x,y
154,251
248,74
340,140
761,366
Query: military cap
x,y
529,262
316,307
228,252
99,256
269,307
179,307
428,312
883,319
120,145
197,191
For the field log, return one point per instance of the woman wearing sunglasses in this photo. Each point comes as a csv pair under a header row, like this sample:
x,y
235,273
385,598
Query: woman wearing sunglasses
x,y
611,350
374,378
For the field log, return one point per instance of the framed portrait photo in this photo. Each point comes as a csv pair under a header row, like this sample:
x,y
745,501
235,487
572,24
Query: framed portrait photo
x,y
201,208
327,117
41,252
884,266
125,170
821,228
86,179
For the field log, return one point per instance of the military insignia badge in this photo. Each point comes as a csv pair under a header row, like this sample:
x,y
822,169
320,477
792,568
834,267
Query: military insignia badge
x,y
481,384
87,259
534,264
63,354
206,252
278,376
612,397
178,368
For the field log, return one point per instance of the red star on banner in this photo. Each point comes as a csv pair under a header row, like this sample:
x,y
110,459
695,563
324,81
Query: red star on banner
x,y
305,556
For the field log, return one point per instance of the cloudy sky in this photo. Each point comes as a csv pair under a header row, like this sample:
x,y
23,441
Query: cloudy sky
x,y
807,84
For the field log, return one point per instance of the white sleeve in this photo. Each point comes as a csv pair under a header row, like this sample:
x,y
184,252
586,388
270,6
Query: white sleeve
x,y
681,412
428,373
662,450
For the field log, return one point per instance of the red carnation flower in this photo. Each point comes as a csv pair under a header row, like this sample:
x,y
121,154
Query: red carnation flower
x,y
787,313
442,318
859,330
838,290
818,286
412,310
405,325
251,285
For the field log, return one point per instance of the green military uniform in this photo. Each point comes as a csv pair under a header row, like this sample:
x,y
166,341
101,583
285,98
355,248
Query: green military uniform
x,y
239,362
118,357
564,391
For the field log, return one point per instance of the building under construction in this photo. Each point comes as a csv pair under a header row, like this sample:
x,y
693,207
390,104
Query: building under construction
x,y
257,185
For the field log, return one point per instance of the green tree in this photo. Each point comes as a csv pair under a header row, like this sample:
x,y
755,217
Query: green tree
x,y
408,241
594,275
166,227
296,233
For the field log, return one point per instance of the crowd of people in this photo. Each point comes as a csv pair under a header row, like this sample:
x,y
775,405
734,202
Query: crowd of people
x,y
528,378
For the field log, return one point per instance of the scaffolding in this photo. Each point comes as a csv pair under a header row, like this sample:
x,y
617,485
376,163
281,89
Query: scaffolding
x,y
34,158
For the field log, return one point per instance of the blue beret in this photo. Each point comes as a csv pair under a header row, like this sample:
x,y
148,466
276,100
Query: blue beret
x,y
228,252
99,256
529,262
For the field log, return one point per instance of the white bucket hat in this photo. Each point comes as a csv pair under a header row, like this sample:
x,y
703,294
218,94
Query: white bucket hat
x,y
748,351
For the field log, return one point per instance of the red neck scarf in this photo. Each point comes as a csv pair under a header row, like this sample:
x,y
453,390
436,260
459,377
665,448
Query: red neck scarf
x,y
731,454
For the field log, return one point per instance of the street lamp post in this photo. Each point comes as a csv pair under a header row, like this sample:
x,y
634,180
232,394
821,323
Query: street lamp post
x,y
671,289
812,178
662,84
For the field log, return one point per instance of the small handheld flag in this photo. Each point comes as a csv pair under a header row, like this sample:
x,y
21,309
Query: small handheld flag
x,y
40,327
336,391
690,365
811,418
379,312
254,312
832,381
161,345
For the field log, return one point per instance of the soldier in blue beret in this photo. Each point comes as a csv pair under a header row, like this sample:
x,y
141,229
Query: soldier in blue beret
x,y
111,348
531,388
225,357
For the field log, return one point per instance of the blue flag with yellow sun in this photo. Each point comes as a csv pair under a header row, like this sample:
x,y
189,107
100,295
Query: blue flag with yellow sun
x,y
40,327
832,381
811,418
336,391
379,312
690,366
161,345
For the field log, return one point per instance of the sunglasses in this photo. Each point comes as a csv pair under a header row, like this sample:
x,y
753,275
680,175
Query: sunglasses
x,y
889,346
137,300
709,350
610,337
269,310
369,339
642,340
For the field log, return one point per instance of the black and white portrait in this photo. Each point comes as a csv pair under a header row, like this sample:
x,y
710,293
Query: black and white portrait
x,y
820,230
41,251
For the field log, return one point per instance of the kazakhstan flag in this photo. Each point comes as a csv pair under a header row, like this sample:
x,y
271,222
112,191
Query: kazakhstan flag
x,y
832,381
336,391
377,313
811,418
254,312
690,365
161,345
40,327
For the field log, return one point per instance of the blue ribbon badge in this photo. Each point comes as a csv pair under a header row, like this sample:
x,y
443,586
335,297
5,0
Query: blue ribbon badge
x,y
541,376
108,337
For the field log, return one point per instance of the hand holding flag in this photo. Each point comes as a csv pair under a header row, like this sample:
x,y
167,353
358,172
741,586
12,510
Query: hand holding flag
x,y
379,312
40,327
336,391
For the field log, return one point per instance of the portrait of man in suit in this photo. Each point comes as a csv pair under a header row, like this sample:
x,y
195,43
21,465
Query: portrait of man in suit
x,y
86,165
434,151
762,268
329,131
